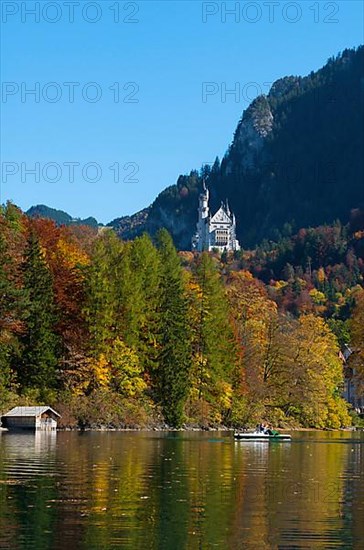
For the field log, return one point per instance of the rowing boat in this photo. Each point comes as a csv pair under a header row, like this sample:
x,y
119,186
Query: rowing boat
x,y
261,436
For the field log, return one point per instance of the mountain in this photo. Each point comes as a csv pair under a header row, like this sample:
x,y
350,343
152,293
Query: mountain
x,y
129,227
295,161
60,217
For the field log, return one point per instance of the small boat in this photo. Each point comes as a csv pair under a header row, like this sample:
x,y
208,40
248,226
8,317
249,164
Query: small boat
x,y
261,436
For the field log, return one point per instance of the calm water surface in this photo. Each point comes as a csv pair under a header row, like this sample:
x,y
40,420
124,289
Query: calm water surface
x,y
180,490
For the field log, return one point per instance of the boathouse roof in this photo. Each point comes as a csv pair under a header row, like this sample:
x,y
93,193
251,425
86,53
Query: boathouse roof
x,y
30,411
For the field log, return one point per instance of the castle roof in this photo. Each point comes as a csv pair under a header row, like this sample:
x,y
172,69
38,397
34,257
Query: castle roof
x,y
221,216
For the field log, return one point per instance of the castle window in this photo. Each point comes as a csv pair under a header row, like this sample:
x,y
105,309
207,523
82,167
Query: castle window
x,y
221,237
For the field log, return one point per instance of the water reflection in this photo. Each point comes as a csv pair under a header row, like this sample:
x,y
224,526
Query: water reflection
x,y
152,490
21,444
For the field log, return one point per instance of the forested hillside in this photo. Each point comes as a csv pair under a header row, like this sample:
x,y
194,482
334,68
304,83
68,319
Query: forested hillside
x,y
296,160
58,216
134,334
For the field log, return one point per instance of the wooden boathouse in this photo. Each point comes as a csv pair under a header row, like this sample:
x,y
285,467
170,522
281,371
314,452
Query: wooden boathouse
x,y
30,418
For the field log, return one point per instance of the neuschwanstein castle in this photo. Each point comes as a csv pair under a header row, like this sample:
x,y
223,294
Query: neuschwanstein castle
x,y
216,232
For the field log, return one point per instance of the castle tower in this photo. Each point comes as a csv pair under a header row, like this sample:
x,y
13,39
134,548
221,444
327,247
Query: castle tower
x,y
202,234
203,209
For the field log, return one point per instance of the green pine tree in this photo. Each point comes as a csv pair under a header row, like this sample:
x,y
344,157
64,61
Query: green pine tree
x,y
174,367
145,262
39,353
101,297
213,339
129,297
7,317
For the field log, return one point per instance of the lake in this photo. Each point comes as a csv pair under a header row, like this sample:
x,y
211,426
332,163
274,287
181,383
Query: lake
x,y
177,490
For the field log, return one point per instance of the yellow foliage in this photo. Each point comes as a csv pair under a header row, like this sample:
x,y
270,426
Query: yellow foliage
x,y
357,331
317,296
101,371
126,370
302,283
71,254
117,368
225,395
89,374
244,274
280,284
321,275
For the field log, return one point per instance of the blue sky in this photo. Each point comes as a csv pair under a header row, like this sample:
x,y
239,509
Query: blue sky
x,y
163,54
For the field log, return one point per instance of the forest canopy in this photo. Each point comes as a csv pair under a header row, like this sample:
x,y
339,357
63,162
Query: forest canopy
x,y
136,334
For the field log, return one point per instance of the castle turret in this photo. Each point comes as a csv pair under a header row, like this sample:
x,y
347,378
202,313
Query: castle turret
x,y
203,209
227,208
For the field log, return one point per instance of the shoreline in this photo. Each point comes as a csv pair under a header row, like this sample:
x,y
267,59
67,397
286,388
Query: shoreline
x,y
172,430
192,429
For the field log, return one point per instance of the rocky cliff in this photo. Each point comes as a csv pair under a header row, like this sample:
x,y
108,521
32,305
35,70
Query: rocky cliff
x,y
295,160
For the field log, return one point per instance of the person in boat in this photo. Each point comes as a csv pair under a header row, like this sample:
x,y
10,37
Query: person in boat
x,y
270,431
265,429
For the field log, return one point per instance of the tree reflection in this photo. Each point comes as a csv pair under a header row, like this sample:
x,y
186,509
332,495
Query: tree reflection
x,y
180,490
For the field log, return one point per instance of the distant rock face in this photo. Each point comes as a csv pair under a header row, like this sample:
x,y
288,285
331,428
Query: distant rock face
x,y
254,127
256,123
178,226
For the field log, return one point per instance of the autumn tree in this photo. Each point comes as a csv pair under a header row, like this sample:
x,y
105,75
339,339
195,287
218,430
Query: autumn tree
x,y
292,366
357,336
126,371
255,321
313,389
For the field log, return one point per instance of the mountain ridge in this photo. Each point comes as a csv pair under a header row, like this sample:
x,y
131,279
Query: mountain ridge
x,y
60,217
294,161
